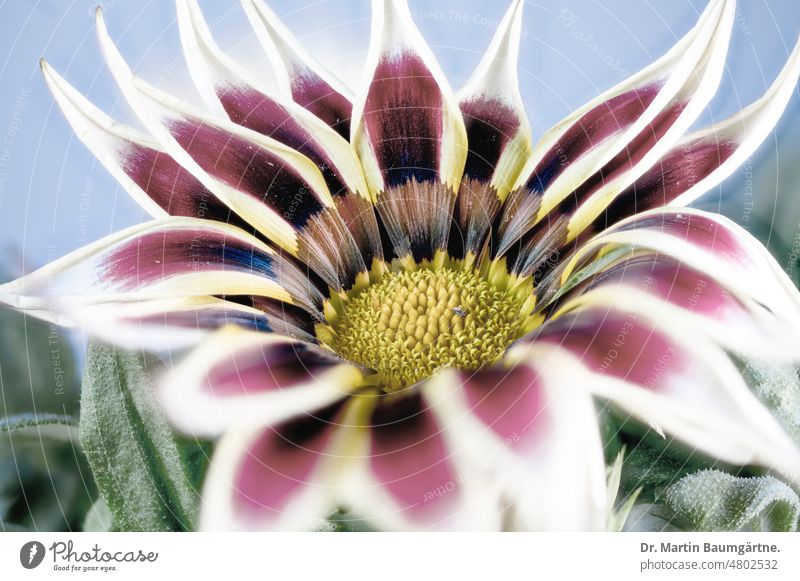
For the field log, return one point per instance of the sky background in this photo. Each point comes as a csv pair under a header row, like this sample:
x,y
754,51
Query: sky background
x,y
55,198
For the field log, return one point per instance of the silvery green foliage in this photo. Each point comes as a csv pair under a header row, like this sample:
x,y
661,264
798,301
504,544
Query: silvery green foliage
x,y
682,492
99,518
778,386
716,500
146,474
711,500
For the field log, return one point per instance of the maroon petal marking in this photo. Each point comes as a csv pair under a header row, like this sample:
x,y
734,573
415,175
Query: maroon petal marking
x,y
167,260
626,347
326,245
308,83
254,110
127,153
160,255
667,97
677,171
229,90
278,465
594,127
410,136
677,284
524,255
302,219
511,402
249,168
403,122
670,281
490,125
703,231
316,95
275,366
410,460
173,188
209,318
701,160
403,117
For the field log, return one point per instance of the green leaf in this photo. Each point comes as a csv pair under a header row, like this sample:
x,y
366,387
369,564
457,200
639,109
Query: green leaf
x,y
137,460
42,426
343,521
618,508
590,270
711,500
653,463
778,388
99,518
35,420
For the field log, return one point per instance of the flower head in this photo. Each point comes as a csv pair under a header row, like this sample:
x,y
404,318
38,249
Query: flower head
x,y
403,307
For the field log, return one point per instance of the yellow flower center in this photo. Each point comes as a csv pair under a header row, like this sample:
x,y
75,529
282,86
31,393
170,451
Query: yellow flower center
x,y
412,323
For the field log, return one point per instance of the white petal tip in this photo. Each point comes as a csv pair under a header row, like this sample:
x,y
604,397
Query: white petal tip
x,y
497,71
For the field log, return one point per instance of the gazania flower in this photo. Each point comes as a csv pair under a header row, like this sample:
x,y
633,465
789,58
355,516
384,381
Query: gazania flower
x,y
420,308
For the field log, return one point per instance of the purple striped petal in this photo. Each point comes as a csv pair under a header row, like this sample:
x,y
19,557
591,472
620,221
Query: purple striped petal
x,y
155,180
703,159
301,77
512,403
528,427
656,283
498,135
410,460
675,381
724,252
276,189
410,135
171,324
225,85
167,259
612,140
697,163
620,346
272,478
238,377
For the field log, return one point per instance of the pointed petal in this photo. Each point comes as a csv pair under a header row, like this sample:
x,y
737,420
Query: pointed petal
x,y
673,381
655,285
164,325
627,127
165,259
300,76
239,377
703,159
227,87
161,186
529,430
409,134
276,189
706,242
498,135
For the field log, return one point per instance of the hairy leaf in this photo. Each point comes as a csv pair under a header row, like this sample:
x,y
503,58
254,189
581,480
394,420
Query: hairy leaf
x,y
711,500
137,460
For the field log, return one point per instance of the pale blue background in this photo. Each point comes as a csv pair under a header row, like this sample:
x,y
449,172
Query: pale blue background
x,y
54,197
